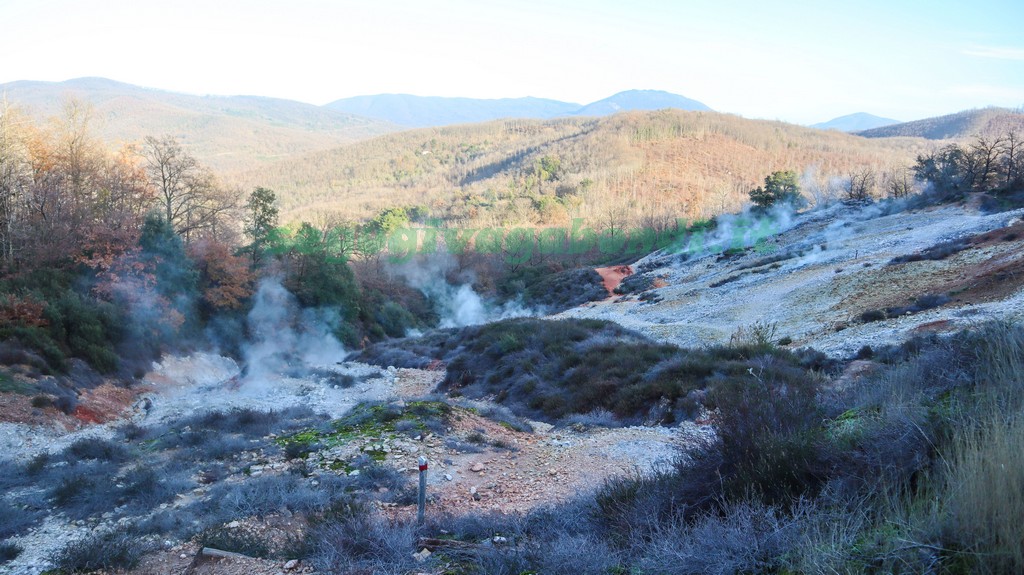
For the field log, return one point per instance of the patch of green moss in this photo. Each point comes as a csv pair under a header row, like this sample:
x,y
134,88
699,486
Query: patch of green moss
x,y
850,425
10,385
378,420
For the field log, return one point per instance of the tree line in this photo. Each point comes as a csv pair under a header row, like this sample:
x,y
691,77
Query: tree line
x,y
987,164
114,256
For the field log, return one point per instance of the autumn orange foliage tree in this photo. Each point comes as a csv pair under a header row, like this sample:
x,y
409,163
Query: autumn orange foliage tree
x,y
225,279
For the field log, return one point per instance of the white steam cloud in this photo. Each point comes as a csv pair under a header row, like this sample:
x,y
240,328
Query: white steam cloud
x,y
284,339
734,231
457,305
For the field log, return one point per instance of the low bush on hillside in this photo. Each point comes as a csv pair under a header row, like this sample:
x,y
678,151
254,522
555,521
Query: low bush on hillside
x,y
937,252
552,290
15,520
9,552
110,551
636,283
363,543
919,304
553,370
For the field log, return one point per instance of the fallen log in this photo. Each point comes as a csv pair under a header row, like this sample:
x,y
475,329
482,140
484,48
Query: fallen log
x,y
433,544
211,552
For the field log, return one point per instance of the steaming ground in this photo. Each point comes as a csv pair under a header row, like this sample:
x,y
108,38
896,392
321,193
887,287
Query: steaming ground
x,y
814,280
458,304
292,360
832,267
185,385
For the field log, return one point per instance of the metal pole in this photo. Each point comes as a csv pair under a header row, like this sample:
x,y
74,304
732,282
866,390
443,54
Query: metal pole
x,y
423,491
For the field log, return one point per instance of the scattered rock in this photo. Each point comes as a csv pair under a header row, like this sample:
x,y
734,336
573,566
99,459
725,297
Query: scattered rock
x,y
422,555
234,525
477,467
290,565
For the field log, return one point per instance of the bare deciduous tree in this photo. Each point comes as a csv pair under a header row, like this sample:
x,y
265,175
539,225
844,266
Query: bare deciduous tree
x,y
15,176
1012,161
190,197
860,185
898,182
986,153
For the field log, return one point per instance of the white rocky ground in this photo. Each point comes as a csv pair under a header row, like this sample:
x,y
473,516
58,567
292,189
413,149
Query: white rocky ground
x,y
537,468
816,298
179,386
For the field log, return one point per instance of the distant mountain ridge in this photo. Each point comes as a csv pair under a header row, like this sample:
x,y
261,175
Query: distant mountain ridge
x,y
856,122
969,123
431,111
228,132
426,111
237,133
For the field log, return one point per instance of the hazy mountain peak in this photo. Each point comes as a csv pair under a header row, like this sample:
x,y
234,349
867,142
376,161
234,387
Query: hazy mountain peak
x,y
855,122
640,100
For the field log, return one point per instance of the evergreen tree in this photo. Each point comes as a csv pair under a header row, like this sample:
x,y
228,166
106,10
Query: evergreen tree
x,y
779,187
261,220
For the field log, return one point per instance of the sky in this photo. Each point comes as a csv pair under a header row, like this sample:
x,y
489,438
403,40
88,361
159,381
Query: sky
x,y
798,61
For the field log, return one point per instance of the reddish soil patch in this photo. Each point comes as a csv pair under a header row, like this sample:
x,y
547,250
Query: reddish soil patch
x,y
613,276
86,414
998,236
990,269
105,403
993,279
934,326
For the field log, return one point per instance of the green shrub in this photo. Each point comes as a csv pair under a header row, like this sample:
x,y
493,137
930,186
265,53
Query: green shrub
x,y
40,340
9,552
42,402
770,428
109,551
89,328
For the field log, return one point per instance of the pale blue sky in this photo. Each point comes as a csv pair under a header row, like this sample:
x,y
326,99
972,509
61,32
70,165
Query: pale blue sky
x,y
801,61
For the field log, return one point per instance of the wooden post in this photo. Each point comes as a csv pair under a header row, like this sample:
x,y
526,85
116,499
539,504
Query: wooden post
x,y
423,491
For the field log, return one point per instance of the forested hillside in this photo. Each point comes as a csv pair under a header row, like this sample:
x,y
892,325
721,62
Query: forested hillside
x,y
965,124
637,167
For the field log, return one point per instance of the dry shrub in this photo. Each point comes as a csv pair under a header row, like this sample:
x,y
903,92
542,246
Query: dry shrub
x,y
985,493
